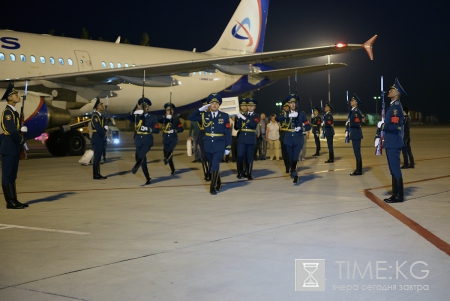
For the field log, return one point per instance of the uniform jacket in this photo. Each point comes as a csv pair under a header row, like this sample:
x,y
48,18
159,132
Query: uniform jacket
x,y
355,124
12,137
98,129
290,123
316,123
217,131
406,128
151,126
168,125
328,126
393,126
247,128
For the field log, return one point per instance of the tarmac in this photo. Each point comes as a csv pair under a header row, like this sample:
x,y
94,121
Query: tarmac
x,y
329,237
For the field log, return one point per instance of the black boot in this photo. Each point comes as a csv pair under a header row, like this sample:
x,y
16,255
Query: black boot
x,y
294,173
218,182
136,166
394,191
286,164
330,157
316,154
358,170
97,175
172,167
14,194
205,170
398,197
240,171
249,171
147,175
10,203
212,185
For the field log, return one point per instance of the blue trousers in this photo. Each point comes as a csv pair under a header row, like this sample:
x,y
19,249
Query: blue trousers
x,y
393,158
214,160
357,148
10,167
245,152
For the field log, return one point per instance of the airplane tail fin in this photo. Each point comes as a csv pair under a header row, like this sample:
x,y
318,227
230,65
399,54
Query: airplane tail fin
x,y
245,31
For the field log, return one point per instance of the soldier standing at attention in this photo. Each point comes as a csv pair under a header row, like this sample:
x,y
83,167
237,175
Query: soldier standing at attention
x,y
283,129
247,138
356,133
316,121
171,126
10,147
294,139
328,128
217,136
393,140
98,138
406,149
145,125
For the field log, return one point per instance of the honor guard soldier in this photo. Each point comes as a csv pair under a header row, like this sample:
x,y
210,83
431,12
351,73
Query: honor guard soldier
x,y
294,139
171,126
328,129
10,147
145,125
355,132
406,149
201,144
98,138
217,136
243,110
392,126
284,127
316,121
247,138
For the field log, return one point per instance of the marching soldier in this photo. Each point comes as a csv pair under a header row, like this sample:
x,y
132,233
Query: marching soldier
x,y
328,129
243,110
355,133
247,138
98,137
201,144
171,126
10,147
145,125
284,127
217,136
296,121
392,126
316,121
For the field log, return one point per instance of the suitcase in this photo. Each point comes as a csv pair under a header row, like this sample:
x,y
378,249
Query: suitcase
x,y
87,157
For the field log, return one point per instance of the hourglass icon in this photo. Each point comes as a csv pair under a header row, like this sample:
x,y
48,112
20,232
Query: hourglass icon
x,y
310,267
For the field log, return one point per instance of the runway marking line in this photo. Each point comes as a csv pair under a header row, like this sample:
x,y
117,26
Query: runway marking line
x,y
5,226
416,227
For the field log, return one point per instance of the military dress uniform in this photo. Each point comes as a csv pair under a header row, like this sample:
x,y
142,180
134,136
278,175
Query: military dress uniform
x,y
408,158
356,135
328,129
11,144
170,127
217,139
294,138
201,144
284,128
97,141
393,143
246,140
145,125
316,121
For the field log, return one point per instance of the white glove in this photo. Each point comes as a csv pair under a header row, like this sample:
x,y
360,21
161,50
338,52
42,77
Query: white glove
x,y
312,115
377,142
294,114
169,116
297,129
144,128
241,116
105,127
322,124
346,134
347,122
171,132
204,108
227,152
24,129
380,123
138,112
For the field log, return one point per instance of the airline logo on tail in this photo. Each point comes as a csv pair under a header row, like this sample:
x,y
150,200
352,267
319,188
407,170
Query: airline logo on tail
x,y
238,27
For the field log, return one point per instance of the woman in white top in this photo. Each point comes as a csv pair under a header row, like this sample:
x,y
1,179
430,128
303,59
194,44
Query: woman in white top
x,y
273,138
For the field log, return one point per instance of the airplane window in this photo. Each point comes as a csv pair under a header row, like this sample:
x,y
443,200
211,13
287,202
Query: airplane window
x,y
103,65
134,65
32,58
61,61
13,57
119,65
126,65
52,61
42,60
23,58
111,65
70,62
2,56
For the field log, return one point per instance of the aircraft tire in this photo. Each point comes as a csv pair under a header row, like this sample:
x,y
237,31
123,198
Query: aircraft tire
x,y
75,143
55,143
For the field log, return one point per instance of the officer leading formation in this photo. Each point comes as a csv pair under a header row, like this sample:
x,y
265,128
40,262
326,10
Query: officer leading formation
x,y
10,147
217,139
392,125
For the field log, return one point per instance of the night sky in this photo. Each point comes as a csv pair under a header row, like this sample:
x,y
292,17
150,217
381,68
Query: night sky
x,y
413,41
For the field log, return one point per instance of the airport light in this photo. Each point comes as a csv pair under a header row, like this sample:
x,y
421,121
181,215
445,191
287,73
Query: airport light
x,y
376,98
279,105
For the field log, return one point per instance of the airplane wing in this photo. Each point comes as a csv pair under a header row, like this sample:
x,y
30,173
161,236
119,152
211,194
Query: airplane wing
x,y
115,76
274,75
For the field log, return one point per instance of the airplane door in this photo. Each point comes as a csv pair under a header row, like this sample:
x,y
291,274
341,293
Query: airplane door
x,y
84,60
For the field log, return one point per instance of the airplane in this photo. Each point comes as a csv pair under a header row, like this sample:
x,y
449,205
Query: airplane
x,y
64,75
